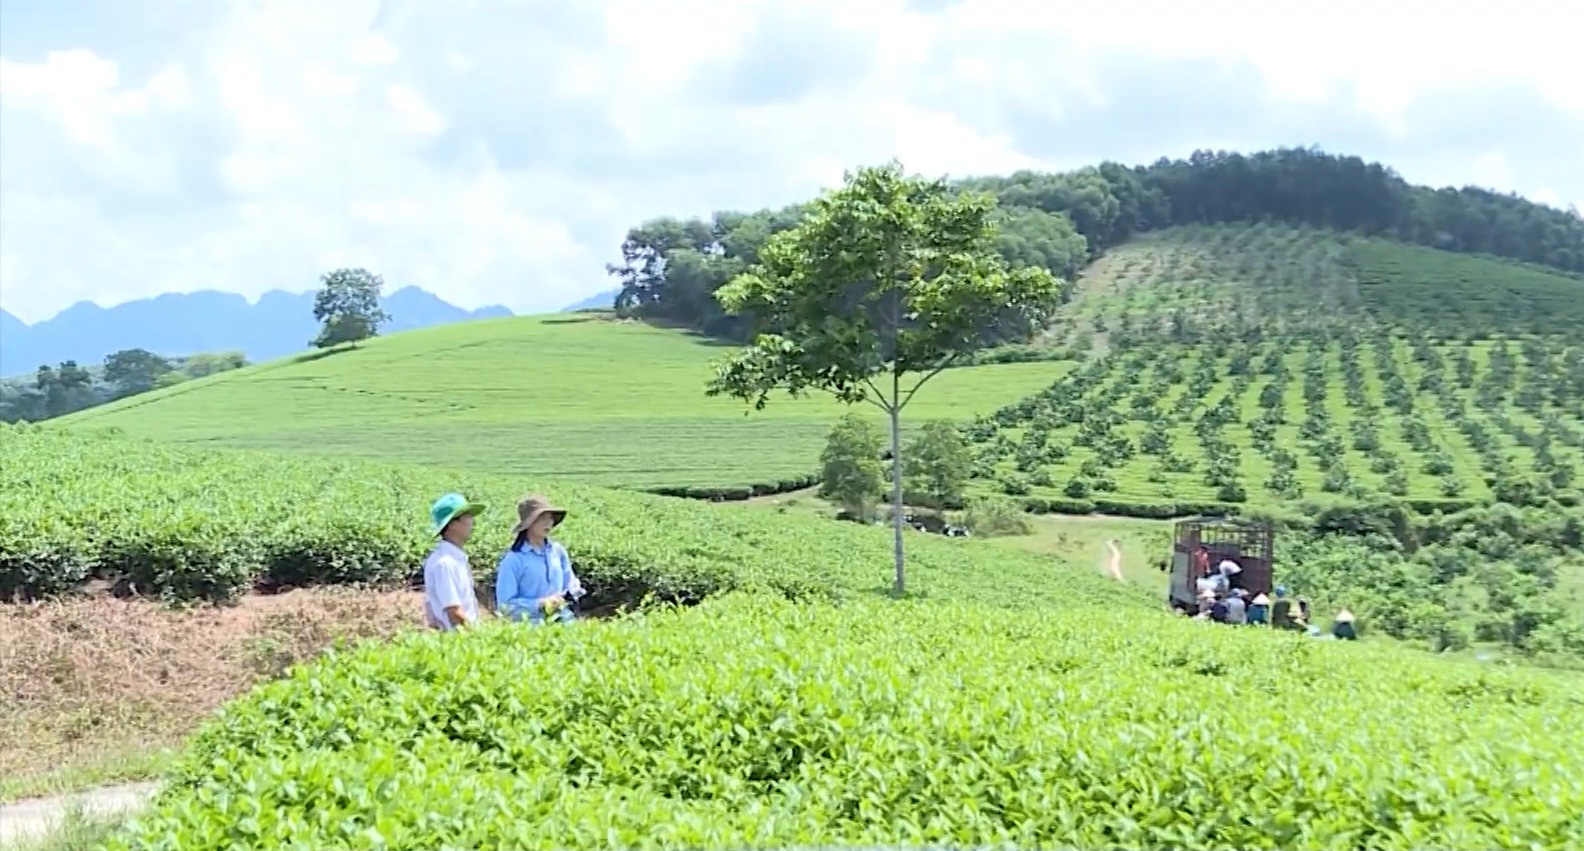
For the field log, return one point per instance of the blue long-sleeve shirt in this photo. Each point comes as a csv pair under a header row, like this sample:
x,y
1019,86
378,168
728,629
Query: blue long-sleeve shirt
x,y
531,573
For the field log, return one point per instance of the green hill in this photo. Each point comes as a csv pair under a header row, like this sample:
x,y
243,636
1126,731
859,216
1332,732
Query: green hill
x,y
800,708
1197,280
1066,221
1259,364
583,397
1232,364
1013,701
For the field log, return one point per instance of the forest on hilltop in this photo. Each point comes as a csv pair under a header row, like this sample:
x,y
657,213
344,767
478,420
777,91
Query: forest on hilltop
x,y
671,267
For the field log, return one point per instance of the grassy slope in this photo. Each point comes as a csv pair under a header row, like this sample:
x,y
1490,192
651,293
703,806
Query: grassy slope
x,y
1290,284
1282,276
1072,542
568,397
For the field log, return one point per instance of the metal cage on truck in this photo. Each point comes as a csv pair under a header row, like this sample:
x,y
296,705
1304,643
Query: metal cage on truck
x,y
1250,543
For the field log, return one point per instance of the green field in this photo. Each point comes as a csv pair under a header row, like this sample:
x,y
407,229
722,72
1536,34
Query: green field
x,y
755,723
1205,282
175,521
1235,364
1020,697
1261,364
574,397
1014,699
1285,418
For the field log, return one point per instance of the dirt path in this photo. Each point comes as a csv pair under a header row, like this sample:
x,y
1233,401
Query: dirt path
x,y
36,817
1115,564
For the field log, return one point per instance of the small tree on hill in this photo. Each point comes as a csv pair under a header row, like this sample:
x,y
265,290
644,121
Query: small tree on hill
x,y
850,469
348,307
939,463
889,276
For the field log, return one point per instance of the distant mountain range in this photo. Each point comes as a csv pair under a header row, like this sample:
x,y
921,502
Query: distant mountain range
x,y
599,301
176,324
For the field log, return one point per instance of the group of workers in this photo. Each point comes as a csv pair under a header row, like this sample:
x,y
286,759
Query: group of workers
x,y
1221,601
535,582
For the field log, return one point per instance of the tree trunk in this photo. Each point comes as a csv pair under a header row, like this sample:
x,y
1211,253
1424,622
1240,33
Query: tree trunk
x,y
896,485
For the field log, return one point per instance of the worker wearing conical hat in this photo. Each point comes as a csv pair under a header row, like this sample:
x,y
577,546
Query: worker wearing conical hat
x,y
1342,626
1259,609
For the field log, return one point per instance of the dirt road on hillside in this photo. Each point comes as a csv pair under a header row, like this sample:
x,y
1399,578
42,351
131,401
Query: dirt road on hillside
x,y
1115,564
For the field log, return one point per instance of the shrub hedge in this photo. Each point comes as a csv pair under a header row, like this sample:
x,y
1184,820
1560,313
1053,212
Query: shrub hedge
x,y
211,524
756,723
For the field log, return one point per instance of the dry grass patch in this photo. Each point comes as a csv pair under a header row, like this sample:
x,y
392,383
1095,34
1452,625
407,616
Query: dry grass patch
x,y
94,689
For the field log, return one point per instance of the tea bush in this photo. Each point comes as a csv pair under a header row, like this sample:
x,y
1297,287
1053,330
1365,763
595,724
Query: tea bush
x,y
752,722
187,523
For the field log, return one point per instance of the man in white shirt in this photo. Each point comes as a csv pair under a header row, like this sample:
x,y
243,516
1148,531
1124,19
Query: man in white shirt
x,y
449,598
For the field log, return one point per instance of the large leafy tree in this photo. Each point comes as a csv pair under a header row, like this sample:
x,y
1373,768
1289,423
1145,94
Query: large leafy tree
x,y
348,307
132,371
886,282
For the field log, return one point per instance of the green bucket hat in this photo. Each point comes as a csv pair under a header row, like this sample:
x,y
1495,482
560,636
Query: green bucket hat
x,y
450,507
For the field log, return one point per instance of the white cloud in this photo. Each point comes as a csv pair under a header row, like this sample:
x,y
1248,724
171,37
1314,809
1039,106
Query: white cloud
x,y
496,152
80,90
1547,196
1388,51
413,111
373,49
1491,169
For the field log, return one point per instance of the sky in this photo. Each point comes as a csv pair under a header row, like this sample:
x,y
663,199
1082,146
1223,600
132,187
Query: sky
x,y
496,151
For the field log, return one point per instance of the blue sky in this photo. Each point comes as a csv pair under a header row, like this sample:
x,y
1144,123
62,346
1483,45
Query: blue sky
x,y
494,151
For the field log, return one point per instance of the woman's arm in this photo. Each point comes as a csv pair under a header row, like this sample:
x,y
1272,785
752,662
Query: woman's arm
x,y
574,587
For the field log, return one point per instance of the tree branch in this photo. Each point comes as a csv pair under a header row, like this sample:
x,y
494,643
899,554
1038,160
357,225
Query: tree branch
x,y
877,395
837,396
939,368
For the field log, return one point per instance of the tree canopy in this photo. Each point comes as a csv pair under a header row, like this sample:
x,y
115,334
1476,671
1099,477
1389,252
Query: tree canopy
x,y
55,391
348,305
890,276
135,371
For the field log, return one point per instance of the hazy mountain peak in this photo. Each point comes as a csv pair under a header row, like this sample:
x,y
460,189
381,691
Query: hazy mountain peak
x,y
175,324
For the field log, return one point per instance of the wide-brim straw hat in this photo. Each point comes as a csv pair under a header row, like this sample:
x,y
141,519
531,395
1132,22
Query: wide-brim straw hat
x,y
1344,616
531,508
1261,600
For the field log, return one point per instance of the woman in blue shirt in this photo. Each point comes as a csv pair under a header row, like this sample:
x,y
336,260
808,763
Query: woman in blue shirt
x,y
535,581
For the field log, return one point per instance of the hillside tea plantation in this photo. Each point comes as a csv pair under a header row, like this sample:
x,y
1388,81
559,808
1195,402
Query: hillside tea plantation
x,y
211,524
755,723
1215,281
587,398
1285,416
